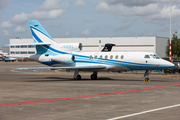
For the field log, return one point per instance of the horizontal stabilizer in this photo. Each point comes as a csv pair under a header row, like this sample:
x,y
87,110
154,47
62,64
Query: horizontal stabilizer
x,y
68,68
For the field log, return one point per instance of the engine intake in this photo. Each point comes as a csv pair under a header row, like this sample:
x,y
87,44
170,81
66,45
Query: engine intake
x,y
75,47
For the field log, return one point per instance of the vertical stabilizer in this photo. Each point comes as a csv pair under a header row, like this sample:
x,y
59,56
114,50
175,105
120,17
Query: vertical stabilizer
x,y
39,34
41,37
1,52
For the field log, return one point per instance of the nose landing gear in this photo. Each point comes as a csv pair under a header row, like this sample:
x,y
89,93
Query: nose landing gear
x,y
146,74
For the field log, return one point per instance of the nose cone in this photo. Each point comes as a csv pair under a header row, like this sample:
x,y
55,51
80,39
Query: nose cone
x,y
167,64
171,64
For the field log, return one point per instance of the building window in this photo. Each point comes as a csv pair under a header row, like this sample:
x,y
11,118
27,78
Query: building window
x,y
17,52
12,52
31,52
23,52
31,46
23,46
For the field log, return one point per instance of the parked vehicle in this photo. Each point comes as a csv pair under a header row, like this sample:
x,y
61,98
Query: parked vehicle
x,y
175,69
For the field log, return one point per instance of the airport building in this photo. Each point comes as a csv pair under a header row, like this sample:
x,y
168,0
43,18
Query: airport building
x,y
146,44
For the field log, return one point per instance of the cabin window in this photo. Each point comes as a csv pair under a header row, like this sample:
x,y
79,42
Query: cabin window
x,y
122,56
100,56
146,56
111,56
95,57
116,56
46,55
90,57
106,57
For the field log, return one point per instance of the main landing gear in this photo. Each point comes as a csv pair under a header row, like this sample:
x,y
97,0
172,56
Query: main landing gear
x,y
78,77
94,76
146,74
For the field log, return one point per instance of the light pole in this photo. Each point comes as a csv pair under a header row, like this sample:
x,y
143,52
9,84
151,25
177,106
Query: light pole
x,y
170,34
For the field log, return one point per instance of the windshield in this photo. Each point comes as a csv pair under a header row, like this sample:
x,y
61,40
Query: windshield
x,y
154,56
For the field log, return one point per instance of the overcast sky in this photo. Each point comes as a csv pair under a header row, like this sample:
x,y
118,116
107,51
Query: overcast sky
x,y
89,18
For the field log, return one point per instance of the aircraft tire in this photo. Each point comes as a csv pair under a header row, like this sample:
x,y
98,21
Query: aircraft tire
x,y
93,77
78,77
146,79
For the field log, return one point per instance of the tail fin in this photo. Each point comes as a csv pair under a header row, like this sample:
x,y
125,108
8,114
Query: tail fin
x,y
39,33
41,38
1,52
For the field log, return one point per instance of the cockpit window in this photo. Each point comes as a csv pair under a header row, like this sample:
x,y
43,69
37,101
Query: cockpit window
x,y
156,56
151,56
146,56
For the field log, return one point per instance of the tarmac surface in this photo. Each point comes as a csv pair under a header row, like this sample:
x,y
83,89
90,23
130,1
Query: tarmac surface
x,y
55,95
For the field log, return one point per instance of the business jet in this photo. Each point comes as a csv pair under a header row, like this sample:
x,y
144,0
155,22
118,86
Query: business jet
x,y
68,56
8,58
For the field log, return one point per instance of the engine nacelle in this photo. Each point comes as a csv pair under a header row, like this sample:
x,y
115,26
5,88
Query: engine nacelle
x,y
63,58
75,47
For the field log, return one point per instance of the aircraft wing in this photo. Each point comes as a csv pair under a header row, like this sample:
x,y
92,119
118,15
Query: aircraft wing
x,y
68,68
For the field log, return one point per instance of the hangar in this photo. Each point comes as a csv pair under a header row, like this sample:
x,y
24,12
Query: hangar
x,y
147,44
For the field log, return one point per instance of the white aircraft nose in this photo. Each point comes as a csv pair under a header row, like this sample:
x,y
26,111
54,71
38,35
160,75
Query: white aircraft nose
x,y
169,64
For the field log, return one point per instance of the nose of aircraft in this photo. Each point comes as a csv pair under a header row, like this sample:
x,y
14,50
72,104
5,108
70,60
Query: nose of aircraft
x,y
169,64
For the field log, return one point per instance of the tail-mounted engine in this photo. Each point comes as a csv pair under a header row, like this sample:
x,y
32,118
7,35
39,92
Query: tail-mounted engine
x,y
75,47
63,58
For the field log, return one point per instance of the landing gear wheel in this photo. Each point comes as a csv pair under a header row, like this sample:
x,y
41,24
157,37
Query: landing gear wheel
x,y
78,77
147,79
93,77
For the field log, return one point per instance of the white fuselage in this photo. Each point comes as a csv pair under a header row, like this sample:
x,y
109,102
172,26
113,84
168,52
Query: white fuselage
x,y
114,61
